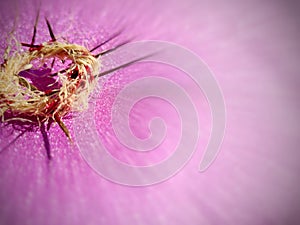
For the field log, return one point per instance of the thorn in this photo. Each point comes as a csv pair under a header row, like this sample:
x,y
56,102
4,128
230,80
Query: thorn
x,y
112,49
35,27
125,65
30,45
63,127
106,41
52,64
50,30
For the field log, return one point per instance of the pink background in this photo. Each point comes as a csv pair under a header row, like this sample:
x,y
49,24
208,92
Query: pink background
x,y
253,49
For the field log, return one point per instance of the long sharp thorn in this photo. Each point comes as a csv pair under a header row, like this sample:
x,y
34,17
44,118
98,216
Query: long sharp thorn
x,y
52,64
29,45
125,65
63,127
50,30
113,49
106,41
35,27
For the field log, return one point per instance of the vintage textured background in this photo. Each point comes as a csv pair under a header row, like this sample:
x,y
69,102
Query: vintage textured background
x,y
253,49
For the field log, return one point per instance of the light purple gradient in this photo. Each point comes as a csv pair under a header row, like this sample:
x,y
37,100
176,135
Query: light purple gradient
x,y
152,87
253,49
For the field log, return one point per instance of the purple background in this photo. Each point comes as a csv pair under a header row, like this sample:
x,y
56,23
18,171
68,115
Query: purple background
x,y
253,49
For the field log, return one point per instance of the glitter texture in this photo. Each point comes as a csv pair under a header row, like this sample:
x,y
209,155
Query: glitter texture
x,y
252,48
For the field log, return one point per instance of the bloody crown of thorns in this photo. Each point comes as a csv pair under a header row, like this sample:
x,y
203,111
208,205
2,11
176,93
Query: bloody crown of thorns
x,y
24,101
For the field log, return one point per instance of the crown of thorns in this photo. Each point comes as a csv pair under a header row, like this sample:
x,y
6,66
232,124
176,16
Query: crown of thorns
x,y
22,100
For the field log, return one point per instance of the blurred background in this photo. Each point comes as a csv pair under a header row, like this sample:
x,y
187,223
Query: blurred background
x,y
252,47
